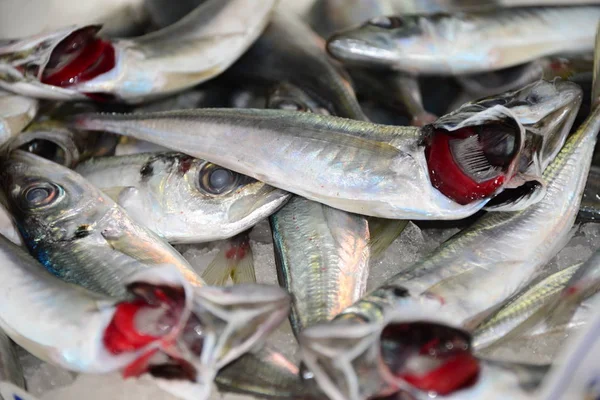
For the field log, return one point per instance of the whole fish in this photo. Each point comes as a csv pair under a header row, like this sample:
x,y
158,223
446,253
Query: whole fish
x,y
77,232
16,112
73,63
458,44
462,281
360,167
524,304
290,51
181,198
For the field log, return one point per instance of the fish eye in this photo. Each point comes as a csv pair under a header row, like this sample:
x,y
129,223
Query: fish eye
x,y
40,194
386,22
217,180
46,149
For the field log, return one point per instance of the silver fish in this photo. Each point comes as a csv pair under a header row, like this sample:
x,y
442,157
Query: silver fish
x,y
197,48
76,231
461,281
16,112
358,166
466,43
183,199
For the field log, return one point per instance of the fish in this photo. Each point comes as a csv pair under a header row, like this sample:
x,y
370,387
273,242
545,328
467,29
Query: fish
x,y
183,199
357,166
459,44
197,48
77,232
589,210
457,283
16,112
524,304
289,51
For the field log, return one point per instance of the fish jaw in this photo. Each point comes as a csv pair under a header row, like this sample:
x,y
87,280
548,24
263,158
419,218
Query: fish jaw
x,y
236,319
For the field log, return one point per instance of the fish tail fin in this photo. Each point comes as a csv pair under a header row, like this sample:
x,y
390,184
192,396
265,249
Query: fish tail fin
x,y
10,391
382,233
235,259
595,82
218,271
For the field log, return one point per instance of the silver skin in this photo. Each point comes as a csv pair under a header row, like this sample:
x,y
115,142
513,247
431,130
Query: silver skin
x,y
10,366
81,235
197,48
172,194
16,112
459,44
522,306
355,166
460,280
590,204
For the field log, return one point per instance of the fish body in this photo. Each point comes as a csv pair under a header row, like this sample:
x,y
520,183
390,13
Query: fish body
x,y
16,112
290,51
458,44
357,166
590,203
197,48
183,199
76,231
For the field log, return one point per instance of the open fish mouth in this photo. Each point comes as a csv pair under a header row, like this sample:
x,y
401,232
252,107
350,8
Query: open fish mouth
x,y
55,62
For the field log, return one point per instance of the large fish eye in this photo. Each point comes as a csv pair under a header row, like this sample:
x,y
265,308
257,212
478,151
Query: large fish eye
x,y
46,149
40,194
386,22
217,180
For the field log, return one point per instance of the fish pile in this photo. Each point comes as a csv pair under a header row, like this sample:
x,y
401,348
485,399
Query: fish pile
x,y
193,122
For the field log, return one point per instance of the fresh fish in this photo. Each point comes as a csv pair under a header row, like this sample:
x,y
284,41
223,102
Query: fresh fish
x,y
16,112
120,17
322,256
73,63
524,304
10,366
589,210
234,260
394,89
77,232
358,166
289,50
83,331
181,198
462,281
459,44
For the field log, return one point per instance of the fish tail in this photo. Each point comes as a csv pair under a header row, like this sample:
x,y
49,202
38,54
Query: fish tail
x,y
10,391
234,260
382,233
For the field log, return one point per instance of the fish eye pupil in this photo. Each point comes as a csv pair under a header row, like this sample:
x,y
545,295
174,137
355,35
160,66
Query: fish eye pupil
x,y
37,195
220,178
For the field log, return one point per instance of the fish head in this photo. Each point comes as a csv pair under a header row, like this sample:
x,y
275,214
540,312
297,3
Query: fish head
x,y
395,42
228,321
49,200
48,65
219,194
356,357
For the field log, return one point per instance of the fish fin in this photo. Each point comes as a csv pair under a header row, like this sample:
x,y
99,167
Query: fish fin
x,y
519,198
383,232
218,271
244,272
595,83
10,391
120,193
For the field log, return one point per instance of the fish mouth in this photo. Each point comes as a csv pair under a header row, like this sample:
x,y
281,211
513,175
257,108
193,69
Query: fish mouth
x,y
55,145
356,360
53,63
260,205
236,318
357,51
